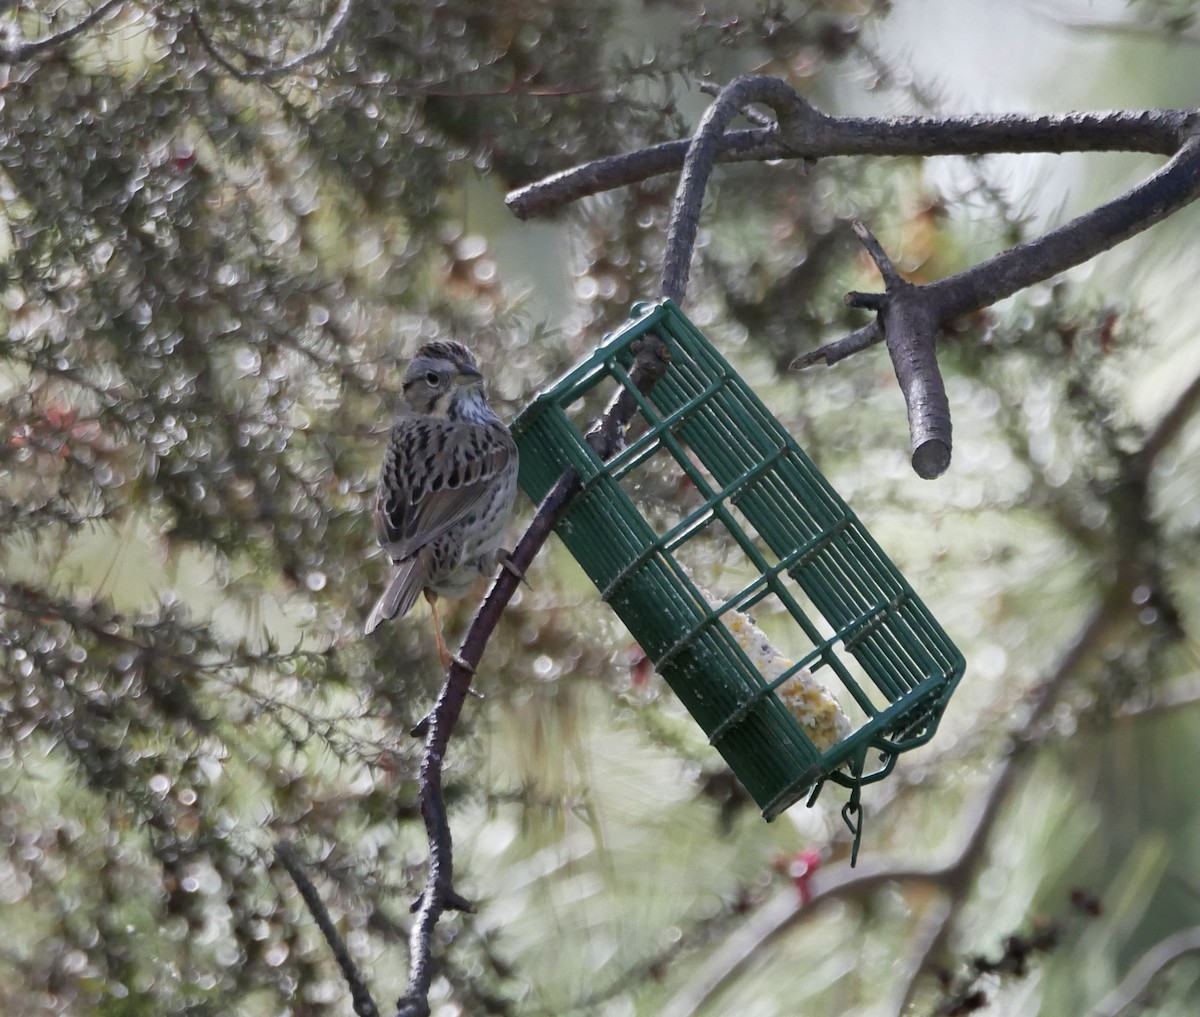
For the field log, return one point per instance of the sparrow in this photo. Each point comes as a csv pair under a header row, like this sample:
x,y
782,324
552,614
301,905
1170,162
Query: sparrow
x,y
446,487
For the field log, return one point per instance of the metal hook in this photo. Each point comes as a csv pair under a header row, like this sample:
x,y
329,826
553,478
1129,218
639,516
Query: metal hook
x,y
852,815
852,812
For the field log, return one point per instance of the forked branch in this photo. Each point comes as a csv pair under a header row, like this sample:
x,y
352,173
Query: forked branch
x,y
909,316
911,329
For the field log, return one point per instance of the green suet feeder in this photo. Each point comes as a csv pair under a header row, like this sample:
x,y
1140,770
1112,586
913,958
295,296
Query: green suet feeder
x,y
864,670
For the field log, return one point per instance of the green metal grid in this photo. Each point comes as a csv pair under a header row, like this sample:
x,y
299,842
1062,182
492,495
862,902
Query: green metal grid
x,y
870,634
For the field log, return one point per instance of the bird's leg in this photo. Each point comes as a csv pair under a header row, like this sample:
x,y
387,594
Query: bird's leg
x,y
443,653
505,559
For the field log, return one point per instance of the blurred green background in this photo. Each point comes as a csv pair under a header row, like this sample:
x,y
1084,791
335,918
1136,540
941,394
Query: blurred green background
x,y
210,283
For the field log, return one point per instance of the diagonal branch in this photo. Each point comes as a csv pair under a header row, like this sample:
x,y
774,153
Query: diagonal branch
x,y
364,1005
1151,964
25,50
1158,196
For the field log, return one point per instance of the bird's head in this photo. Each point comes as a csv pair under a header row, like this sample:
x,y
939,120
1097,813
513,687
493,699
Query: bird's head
x,y
443,381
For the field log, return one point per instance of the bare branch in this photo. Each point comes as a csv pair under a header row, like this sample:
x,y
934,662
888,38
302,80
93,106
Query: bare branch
x,y
322,48
910,315
1157,131
606,435
910,327
25,50
847,346
1160,195
364,1005
1153,962
796,117
954,875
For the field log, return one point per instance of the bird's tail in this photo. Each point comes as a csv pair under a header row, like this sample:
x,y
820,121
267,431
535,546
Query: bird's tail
x,y
406,583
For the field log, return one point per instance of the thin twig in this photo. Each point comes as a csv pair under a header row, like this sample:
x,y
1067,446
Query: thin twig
x,y
23,51
891,275
840,349
1153,962
329,39
364,1004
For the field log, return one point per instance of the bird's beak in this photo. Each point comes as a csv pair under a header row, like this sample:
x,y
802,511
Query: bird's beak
x,y
467,376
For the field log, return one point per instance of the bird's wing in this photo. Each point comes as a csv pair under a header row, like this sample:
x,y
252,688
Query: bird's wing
x,y
434,473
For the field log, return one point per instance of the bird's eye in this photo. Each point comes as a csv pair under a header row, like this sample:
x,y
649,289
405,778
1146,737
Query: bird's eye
x,y
432,379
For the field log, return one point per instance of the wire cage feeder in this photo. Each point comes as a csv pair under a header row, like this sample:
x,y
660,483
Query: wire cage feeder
x,y
862,671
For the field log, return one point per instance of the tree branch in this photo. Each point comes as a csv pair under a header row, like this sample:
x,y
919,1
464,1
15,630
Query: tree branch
x,y
364,1005
796,116
910,327
606,437
909,317
25,50
1152,963
329,38
1156,131
1171,188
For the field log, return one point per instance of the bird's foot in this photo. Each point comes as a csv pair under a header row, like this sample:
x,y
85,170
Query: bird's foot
x,y
454,660
505,559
